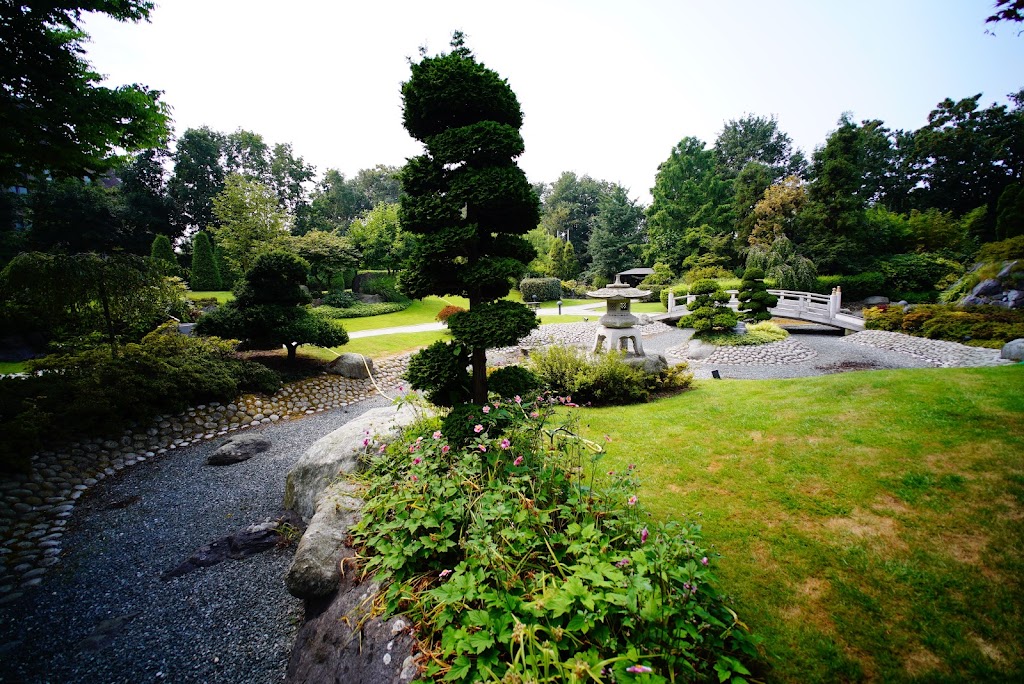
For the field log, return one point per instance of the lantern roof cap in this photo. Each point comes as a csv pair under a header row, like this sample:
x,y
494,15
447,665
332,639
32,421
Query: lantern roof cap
x,y
618,290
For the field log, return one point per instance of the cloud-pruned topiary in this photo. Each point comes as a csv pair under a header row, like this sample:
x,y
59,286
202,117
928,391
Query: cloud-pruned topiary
x,y
709,312
754,297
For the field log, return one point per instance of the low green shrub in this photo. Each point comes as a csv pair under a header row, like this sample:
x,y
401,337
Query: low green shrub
x,y
707,273
361,310
515,567
510,381
340,299
543,289
385,287
909,273
854,287
764,332
1004,250
888,318
606,379
440,371
573,289
680,291
981,325
91,394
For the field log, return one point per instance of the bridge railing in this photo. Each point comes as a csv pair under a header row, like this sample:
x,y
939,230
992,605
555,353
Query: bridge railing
x,y
790,301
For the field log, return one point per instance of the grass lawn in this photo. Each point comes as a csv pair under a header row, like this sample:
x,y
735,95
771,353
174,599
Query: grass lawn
x,y
647,307
869,523
222,296
378,345
8,367
420,311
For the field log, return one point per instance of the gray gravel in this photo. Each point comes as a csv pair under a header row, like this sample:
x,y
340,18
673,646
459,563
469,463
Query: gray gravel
x,y
103,614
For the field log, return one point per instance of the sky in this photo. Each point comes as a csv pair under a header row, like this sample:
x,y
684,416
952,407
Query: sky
x,y
607,88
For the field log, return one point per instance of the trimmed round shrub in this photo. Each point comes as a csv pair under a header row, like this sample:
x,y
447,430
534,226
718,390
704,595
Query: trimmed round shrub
x,y
544,289
440,371
341,299
709,312
510,381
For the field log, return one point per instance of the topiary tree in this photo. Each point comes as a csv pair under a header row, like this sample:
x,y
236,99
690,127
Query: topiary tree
x,y
268,310
205,274
754,297
709,312
467,202
163,257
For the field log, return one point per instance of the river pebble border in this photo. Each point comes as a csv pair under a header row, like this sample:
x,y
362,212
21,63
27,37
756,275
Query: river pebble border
x,y
772,354
35,507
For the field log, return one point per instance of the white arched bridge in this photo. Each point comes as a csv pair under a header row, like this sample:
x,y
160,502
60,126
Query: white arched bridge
x,y
804,306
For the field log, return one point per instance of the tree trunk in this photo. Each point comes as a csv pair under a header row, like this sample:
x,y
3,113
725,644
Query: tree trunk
x,y
292,348
479,376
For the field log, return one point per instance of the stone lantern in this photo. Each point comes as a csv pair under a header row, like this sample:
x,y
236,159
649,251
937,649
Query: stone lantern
x,y
616,326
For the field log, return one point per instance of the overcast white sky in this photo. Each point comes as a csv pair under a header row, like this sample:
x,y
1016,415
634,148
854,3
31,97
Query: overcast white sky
x,y
607,88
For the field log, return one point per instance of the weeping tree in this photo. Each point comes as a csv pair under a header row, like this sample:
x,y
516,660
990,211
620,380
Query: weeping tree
x,y
468,205
781,262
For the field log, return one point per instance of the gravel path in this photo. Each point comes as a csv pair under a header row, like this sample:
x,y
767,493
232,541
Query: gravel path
x,y
104,615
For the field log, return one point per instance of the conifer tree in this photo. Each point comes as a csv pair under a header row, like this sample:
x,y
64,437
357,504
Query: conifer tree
x,y
467,203
205,274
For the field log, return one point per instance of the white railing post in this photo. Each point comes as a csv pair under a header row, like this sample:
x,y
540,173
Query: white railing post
x,y
671,300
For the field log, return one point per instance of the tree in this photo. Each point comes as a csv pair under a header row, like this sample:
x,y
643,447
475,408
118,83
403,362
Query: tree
x,y
618,231
1007,10
466,200
205,274
326,254
564,265
775,214
782,263
76,216
758,139
1010,212
55,118
143,204
247,154
380,239
268,310
249,221
690,196
379,185
162,254
748,190
570,208
288,178
754,298
198,177
709,312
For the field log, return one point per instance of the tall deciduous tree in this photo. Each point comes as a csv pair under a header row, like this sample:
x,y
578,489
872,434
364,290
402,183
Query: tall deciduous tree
x,y
571,206
198,177
379,237
144,206
326,254
758,139
55,117
249,221
467,201
691,208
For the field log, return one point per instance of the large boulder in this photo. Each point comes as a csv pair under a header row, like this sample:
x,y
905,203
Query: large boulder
x,y
355,366
1013,350
340,452
341,641
987,288
238,448
699,349
875,301
652,364
314,572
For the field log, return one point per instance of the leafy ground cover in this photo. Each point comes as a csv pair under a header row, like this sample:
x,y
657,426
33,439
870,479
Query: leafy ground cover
x,y
872,538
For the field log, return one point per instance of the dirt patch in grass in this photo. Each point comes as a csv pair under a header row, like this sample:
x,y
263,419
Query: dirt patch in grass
x,y
922,662
714,467
990,650
888,502
290,371
810,608
883,532
965,548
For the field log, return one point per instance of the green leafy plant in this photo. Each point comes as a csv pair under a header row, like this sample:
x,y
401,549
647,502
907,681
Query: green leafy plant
x,y
339,299
754,298
508,381
756,333
516,565
543,289
709,311
440,370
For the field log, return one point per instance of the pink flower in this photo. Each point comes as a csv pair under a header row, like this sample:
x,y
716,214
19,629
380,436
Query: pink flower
x,y
611,472
437,434
632,501
497,403
383,447
401,388
417,460
518,399
366,442
445,449
505,444
643,535
535,415
704,561
414,478
639,669
486,409
632,466
483,447
518,461
478,429
608,439
444,573
419,439
622,563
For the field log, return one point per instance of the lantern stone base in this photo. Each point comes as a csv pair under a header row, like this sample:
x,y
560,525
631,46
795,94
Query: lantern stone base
x,y
619,338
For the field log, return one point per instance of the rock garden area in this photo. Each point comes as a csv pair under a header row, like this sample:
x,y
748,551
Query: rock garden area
x,y
176,567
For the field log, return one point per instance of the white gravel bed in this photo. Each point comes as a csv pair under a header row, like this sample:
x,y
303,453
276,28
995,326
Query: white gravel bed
x,y
939,353
104,615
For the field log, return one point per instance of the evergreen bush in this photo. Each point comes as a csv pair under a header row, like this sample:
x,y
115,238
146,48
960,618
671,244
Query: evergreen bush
x,y
544,289
511,381
205,274
754,297
163,254
709,312
440,370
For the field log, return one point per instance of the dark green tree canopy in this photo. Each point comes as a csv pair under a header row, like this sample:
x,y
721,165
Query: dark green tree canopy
x,y
758,139
54,117
465,200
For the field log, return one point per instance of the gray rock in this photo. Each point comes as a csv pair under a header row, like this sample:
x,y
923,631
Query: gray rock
x,y
1015,299
314,572
370,298
875,301
342,642
971,300
652,364
340,452
698,349
242,544
643,319
237,449
987,288
1013,350
1007,269
351,366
